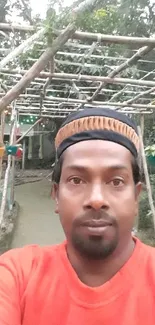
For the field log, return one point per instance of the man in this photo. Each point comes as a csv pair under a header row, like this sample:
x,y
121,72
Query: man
x,y
101,275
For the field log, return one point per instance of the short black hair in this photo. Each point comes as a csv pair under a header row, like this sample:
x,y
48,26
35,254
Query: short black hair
x,y
58,167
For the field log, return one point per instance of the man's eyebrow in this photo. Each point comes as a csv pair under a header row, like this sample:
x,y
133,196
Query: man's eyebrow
x,y
117,167
77,167
84,167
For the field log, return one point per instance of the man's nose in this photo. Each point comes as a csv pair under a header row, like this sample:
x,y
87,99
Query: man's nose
x,y
97,197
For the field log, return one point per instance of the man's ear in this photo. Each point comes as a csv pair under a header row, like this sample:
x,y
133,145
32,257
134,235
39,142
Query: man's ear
x,y
54,195
138,190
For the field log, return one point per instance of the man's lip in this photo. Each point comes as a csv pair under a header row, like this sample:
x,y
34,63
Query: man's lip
x,y
96,223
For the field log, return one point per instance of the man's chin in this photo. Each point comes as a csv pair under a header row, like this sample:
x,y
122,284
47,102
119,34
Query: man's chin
x,y
94,246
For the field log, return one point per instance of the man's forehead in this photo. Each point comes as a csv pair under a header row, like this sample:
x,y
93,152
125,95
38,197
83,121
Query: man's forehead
x,y
95,153
98,147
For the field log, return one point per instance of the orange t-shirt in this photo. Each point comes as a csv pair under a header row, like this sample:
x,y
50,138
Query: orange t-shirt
x,y
38,286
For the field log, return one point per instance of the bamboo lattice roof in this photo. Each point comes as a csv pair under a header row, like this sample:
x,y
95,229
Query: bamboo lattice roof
x,y
82,73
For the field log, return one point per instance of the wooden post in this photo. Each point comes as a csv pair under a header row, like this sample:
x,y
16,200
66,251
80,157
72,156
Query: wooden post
x,y
147,179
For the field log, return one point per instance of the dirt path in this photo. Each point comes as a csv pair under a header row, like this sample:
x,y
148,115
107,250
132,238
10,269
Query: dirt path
x,y
38,224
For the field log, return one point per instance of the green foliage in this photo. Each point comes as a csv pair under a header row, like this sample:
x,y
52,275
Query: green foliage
x,y
145,215
150,150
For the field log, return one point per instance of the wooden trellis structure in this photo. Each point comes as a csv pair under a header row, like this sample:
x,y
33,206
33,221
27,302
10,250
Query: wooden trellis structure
x,y
47,89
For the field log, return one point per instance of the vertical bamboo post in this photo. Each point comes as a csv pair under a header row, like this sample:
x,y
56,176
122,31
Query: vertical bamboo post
x,y
7,173
140,158
142,134
147,179
24,153
1,139
12,174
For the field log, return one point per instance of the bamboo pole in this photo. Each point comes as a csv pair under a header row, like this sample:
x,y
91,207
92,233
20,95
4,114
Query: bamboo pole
x,y
94,56
16,27
67,76
24,153
52,101
142,121
147,179
30,128
12,176
141,41
142,125
96,37
73,108
98,103
23,46
146,92
54,104
1,140
45,57
131,61
30,148
36,68
7,174
64,114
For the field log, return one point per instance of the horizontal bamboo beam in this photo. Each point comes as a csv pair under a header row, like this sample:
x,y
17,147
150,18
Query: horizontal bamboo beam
x,y
72,101
97,57
16,27
67,101
63,114
67,76
53,101
87,36
96,37
81,101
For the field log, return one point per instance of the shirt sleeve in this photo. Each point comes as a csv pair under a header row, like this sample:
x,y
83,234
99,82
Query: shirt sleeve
x,y
15,268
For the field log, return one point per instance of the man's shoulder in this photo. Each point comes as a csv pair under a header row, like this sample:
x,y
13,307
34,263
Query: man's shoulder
x,y
148,257
31,251
147,249
29,257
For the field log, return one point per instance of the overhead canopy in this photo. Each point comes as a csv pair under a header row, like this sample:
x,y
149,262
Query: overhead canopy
x,y
81,73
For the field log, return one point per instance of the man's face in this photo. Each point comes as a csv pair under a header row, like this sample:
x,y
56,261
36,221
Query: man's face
x,y
97,197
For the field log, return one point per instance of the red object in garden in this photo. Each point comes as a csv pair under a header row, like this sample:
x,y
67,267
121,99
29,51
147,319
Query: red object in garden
x,y
19,152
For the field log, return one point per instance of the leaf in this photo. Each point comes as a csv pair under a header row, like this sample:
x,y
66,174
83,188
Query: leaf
x,y
100,13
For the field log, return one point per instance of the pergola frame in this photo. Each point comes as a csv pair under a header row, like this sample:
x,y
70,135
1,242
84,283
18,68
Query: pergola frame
x,y
31,89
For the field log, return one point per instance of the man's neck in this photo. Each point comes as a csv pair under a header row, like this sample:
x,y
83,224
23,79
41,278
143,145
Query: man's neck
x,y
95,273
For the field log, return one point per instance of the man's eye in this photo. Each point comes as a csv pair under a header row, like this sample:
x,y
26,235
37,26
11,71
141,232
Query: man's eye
x,y
76,180
117,182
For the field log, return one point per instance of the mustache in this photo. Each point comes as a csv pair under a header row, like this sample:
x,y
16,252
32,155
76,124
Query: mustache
x,y
95,216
